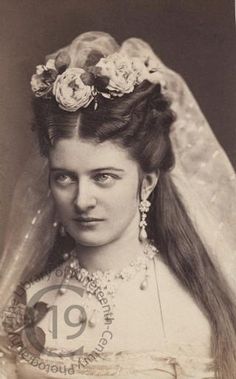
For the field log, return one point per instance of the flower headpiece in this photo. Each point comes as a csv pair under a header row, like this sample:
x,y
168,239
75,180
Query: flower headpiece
x,y
73,87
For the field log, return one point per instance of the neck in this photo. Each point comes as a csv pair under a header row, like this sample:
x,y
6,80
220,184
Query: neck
x,y
113,256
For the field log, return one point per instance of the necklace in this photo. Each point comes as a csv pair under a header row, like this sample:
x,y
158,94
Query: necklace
x,y
104,285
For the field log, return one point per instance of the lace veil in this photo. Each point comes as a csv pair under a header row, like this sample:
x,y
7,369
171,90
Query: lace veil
x,y
203,175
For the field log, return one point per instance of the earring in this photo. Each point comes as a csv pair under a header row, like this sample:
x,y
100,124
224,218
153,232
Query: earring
x,y
144,208
62,231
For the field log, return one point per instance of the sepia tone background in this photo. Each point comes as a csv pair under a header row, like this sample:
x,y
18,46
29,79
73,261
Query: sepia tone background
x,y
195,38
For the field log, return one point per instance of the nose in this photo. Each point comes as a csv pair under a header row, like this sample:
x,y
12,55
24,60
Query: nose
x,y
85,197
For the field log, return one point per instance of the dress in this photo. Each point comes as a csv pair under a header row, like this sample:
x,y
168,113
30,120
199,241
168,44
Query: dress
x,y
175,357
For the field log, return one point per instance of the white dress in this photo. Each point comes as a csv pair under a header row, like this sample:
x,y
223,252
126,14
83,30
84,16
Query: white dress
x,y
159,333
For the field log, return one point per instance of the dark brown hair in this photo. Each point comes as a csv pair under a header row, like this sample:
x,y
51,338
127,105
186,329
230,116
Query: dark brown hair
x,y
141,122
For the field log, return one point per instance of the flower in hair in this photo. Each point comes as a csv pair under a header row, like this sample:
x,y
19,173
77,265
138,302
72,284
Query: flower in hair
x,y
42,81
71,91
74,88
118,69
145,72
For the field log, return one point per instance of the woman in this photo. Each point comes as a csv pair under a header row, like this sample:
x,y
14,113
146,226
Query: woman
x,y
120,232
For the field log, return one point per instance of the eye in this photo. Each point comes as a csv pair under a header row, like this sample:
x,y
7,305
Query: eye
x,y
63,179
105,178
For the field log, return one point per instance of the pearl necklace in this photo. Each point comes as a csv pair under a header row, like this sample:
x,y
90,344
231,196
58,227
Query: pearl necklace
x,y
107,281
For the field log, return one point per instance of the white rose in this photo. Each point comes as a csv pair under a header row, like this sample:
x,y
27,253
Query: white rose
x,y
118,69
144,72
71,92
42,81
140,70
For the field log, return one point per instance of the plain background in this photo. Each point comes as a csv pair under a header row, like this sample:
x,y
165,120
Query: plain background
x,y
194,37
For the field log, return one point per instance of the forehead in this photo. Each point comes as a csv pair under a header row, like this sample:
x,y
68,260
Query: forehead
x,y
76,153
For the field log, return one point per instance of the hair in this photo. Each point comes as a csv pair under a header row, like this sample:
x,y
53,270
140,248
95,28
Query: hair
x,y
141,122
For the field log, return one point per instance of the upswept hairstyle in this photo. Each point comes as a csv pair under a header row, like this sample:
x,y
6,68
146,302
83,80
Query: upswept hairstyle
x,y
141,122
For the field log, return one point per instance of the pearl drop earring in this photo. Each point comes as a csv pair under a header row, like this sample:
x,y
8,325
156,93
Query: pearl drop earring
x,y
144,208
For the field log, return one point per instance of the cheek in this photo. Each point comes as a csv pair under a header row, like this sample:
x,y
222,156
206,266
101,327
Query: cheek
x,y
125,201
61,199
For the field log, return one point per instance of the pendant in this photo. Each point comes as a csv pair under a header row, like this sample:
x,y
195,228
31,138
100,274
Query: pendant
x,y
82,318
62,290
93,319
144,284
142,235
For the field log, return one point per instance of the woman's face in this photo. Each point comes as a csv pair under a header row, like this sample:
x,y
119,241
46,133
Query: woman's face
x,y
94,181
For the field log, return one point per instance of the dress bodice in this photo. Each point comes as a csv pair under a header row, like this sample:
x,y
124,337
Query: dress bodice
x,y
182,335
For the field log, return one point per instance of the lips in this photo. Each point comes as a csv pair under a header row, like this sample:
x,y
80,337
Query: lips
x,y
87,219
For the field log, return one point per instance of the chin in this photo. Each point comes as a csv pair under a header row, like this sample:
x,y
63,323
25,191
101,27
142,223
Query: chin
x,y
92,238
96,241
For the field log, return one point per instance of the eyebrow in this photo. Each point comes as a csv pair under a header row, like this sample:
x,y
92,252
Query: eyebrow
x,y
93,171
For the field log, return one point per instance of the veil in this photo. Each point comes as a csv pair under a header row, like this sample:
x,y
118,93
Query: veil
x,y
203,175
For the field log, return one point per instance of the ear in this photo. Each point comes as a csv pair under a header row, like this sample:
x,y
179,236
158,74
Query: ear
x,y
149,182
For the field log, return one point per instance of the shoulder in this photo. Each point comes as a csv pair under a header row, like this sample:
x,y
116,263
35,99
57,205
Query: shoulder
x,y
184,321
